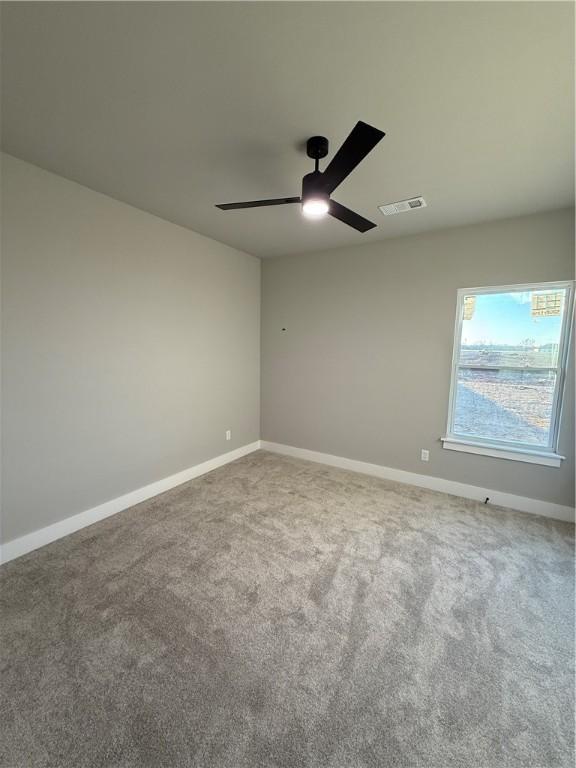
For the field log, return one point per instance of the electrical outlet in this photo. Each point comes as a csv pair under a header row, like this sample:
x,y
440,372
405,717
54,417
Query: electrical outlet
x,y
228,434
424,455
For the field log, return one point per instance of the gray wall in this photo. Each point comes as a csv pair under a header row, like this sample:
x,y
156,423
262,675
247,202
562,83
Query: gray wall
x,y
130,345
363,367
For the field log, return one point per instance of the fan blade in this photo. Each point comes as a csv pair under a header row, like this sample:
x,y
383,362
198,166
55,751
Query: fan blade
x,y
347,216
361,140
258,203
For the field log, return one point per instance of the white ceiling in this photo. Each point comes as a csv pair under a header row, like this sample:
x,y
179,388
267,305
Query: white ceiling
x,y
173,107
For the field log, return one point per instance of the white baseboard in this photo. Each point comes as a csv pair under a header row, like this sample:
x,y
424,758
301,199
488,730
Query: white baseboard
x,y
36,539
43,536
497,498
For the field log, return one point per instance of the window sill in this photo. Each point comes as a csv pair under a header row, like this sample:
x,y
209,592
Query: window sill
x,y
546,458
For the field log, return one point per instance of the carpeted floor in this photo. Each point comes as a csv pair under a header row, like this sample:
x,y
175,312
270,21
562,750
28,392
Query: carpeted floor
x,y
277,612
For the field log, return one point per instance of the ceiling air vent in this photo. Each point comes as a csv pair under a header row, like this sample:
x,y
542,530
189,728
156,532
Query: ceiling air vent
x,y
404,205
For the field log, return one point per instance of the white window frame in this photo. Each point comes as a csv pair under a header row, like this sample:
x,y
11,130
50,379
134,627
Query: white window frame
x,y
546,455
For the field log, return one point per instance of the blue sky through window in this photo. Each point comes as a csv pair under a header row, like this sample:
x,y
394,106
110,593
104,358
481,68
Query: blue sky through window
x,y
506,318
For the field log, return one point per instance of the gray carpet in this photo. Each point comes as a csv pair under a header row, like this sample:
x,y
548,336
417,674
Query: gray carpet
x,y
277,612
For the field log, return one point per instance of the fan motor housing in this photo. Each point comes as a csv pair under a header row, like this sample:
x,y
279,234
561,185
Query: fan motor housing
x,y
312,186
317,147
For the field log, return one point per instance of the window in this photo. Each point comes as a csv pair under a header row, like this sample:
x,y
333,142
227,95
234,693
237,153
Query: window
x,y
508,368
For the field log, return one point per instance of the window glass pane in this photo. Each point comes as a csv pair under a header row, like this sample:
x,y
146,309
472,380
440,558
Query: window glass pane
x,y
506,370
518,328
505,405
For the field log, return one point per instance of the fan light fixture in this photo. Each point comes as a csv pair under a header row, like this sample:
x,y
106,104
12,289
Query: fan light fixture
x,y
315,208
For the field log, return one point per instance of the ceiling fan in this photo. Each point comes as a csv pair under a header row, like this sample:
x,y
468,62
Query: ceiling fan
x,y
317,186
